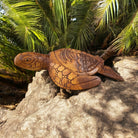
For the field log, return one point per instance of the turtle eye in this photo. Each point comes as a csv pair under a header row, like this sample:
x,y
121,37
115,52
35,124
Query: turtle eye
x,y
27,59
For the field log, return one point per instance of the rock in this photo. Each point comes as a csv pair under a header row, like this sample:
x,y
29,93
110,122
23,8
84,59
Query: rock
x,y
128,68
107,111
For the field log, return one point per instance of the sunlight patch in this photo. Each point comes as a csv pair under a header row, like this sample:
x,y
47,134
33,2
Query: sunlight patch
x,y
116,109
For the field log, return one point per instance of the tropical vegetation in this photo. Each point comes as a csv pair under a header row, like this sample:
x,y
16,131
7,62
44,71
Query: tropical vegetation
x,y
46,25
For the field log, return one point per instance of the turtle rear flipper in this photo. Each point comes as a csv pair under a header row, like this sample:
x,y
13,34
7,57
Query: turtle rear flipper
x,y
109,72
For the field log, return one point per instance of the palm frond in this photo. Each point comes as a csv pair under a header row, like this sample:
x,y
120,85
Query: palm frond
x,y
80,31
59,10
8,51
9,48
24,17
126,4
7,38
107,10
128,38
7,30
49,27
75,1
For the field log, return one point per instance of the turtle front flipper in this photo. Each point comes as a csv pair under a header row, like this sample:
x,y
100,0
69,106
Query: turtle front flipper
x,y
109,72
67,79
85,82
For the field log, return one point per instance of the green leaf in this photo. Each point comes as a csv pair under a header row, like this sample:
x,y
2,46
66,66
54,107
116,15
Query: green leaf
x,y
107,10
127,39
25,18
59,10
80,30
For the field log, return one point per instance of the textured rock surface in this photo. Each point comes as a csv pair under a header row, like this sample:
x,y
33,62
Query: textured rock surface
x,y
107,111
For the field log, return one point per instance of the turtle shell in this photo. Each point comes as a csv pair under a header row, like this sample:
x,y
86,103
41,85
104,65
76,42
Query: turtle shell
x,y
72,69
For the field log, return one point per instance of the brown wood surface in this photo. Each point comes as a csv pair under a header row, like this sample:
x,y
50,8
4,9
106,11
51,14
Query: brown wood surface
x,y
68,68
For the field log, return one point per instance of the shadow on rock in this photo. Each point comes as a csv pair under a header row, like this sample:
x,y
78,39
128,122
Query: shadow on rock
x,y
109,110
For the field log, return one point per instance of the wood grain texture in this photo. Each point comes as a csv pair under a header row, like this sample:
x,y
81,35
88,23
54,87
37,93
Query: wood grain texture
x,y
68,68
71,69
32,61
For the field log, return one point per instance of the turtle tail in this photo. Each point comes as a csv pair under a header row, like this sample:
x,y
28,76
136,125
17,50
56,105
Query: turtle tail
x,y
109,72
110,51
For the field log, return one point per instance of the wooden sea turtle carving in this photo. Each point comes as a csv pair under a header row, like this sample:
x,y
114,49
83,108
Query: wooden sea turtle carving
x,y
68,68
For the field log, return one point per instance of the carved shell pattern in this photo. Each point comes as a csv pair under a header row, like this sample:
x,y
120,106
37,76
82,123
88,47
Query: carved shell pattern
x,y
68,67
62,76
84,61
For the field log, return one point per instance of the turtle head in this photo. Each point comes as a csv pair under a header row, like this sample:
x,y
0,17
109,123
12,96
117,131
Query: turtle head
x,y
31,61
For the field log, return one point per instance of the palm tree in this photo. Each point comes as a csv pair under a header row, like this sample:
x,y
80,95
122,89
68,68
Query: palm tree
x,y
42,26
121,17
